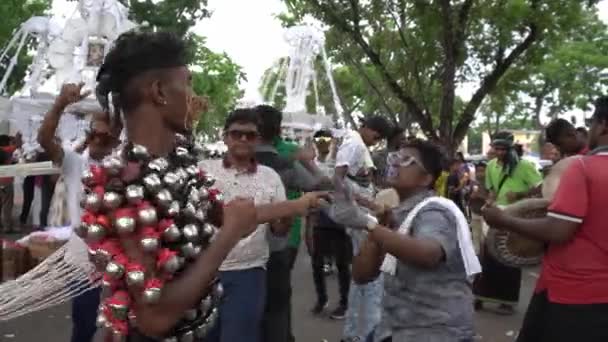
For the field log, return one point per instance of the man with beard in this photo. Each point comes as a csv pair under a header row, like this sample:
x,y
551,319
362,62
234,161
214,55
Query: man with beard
x,y
570,302
145,79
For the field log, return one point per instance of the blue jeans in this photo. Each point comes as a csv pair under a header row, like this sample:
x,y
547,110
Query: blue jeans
x,y
364,301
242,308
84,315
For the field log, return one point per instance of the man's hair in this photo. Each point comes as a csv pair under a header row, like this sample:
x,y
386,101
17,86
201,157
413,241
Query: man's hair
x,y
131,55
555,129
431,157
242,116
323,133
601,109
378,124
270,120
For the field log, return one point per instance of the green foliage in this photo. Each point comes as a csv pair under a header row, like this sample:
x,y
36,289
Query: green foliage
x,y
174,15
14,13
421,51
216,77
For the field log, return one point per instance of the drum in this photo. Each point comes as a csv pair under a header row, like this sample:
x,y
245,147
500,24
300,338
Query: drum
x,y
513,249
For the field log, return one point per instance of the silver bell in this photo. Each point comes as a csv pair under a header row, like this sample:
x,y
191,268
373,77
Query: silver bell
x,y
95,232
113,165
88,177
92,202
194,196
172,181
101,320
189,211
159,165
125,225
201,215
188,336
139,153
135,278
164,198
149,245
208,230
111,200
152,295
152,183
190,232
134,194
189,250
193,171
147,216
173,210
206,304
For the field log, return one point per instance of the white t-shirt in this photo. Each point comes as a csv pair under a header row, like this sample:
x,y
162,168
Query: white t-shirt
x,y
72,168
354,154
264,186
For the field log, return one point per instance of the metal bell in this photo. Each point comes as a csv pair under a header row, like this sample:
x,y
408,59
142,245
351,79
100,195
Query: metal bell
x,y
88,177
172,181
139,153
206,304
111,200
189,211
134,194
115,270
113,165
125,225
203,193
182,173
164,198
101,321
189,250
92,202
95,232
208,230
191,315
193,171
174,209
201,331
159,165
172,265
188,336
217,292
194,196
149,244
190,232
151,295
182,154
171,233
201,215
152,183
181,140
147,216
135,278
208,180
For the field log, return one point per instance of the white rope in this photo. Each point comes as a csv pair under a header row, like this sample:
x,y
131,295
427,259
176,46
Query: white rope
x,y
63,275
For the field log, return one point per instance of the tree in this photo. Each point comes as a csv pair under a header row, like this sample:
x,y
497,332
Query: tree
x,y
424,50
15,12
174,15
568,77
216,77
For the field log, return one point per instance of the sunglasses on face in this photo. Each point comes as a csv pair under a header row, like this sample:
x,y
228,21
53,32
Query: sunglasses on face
x,y
396,159
323,139
236,134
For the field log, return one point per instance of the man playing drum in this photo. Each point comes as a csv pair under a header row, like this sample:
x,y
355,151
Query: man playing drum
x,y
571,297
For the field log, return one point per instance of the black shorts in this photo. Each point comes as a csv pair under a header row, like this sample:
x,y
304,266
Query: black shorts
x,y
552,322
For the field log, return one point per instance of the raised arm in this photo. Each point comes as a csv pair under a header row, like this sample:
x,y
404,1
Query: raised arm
x,y
70,93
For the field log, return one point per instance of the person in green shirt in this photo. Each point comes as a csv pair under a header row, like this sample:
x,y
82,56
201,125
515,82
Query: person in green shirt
x,y
508,179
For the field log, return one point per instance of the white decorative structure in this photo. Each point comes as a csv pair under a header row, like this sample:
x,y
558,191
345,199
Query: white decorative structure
x,y
298,72
68,53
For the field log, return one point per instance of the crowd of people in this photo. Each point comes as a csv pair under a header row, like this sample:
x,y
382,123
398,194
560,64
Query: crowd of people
x,y
413,270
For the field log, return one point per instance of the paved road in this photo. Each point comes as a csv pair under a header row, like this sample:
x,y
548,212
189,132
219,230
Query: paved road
x,y
53,325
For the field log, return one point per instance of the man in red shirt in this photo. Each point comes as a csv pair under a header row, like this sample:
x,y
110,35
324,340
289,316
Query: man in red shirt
x,y
571,298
